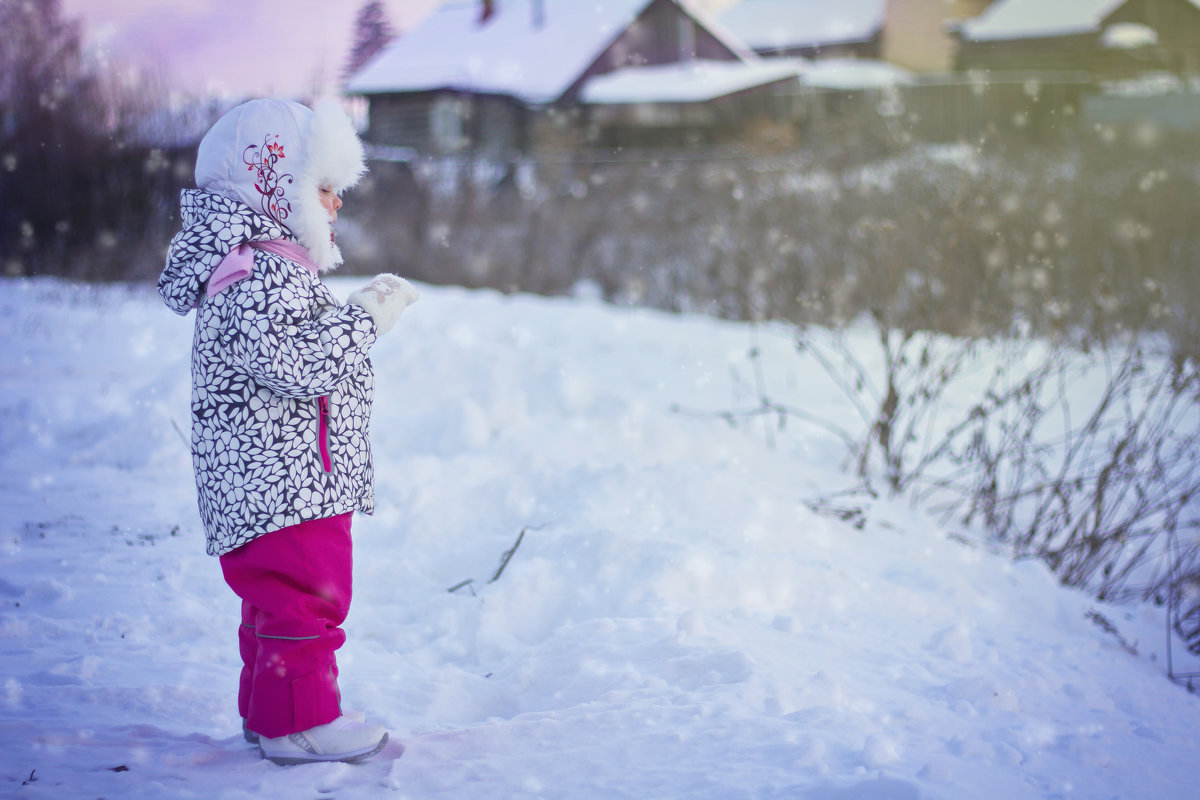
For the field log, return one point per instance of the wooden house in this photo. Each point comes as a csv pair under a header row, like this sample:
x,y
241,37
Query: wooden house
x,y
1106,39
496,77
1174,42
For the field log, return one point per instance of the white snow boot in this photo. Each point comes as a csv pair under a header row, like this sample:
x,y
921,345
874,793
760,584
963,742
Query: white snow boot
x,y
252,737
344,739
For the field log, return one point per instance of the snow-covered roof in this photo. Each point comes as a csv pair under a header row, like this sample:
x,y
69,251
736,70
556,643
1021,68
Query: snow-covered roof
x,y
518,52
1029,19
764,24
701,81
854,73
1128,36
685,82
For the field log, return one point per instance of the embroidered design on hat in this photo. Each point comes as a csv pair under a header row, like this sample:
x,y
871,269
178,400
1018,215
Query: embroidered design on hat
x,y
269,182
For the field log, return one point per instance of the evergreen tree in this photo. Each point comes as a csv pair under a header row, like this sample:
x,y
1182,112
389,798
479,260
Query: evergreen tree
x,y
372,32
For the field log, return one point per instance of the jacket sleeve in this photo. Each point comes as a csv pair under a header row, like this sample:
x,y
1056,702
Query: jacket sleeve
x,y
269,334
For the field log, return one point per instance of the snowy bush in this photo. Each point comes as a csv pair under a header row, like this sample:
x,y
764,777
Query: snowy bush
x,y
1086,460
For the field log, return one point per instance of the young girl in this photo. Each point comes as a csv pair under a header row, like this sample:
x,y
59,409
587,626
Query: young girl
x,y
281,400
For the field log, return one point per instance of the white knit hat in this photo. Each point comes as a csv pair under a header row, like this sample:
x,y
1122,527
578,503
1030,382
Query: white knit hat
x,y
275,156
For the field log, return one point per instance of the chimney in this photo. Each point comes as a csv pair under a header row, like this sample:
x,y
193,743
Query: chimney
x,y
539,13
487,8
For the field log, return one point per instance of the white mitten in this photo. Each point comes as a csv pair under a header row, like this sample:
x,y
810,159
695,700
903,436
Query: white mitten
x,y
384,298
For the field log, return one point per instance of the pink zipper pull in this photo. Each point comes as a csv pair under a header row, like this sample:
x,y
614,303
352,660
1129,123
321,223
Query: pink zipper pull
x,y
323,432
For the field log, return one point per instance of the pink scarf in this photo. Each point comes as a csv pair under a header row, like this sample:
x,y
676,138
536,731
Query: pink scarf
x,y
239,263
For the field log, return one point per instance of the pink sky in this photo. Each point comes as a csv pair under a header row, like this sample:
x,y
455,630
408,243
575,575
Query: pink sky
x,y
282,47
290,48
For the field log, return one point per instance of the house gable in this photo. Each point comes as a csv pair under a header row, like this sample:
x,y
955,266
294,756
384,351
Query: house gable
x,y
666,32
529,50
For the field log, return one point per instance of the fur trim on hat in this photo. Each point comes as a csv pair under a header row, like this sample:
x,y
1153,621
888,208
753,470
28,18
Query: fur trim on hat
x,y
334,158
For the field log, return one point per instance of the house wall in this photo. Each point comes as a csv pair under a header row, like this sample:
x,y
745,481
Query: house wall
x,y
498,126
400,120
684,124
1046,54
915,36
868,48
447,122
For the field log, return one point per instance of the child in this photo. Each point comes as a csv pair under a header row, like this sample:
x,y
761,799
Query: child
x,y
281,400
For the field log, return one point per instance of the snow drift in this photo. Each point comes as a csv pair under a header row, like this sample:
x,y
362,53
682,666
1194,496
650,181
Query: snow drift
x,y
675,622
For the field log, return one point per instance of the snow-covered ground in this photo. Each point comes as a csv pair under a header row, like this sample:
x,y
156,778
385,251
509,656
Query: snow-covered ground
x,y
674,624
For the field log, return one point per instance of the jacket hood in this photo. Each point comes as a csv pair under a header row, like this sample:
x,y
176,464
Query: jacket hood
x,y
274,156
213,225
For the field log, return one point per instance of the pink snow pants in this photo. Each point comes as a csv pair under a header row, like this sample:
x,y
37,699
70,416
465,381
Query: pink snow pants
x,y
295,590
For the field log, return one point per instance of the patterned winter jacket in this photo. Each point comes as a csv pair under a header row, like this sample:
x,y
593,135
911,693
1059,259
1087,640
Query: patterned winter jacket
x,y
281,382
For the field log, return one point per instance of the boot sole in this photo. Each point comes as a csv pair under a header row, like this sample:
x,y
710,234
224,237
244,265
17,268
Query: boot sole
x,y
352,758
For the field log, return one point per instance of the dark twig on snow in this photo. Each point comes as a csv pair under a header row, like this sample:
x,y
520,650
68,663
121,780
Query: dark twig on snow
x,y
505,557
508,554
1106,625
768,408
463,584
179,431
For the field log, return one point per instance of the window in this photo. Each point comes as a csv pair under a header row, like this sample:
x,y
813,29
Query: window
x,y
446,126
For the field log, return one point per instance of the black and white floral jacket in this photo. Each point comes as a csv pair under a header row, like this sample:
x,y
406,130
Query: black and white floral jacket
x,y
281,381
